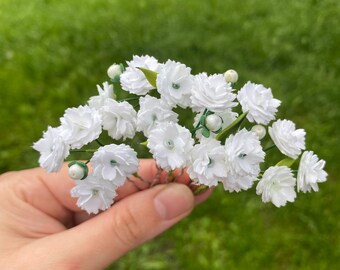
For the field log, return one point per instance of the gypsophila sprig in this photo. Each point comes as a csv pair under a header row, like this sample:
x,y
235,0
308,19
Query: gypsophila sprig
x,y
224,144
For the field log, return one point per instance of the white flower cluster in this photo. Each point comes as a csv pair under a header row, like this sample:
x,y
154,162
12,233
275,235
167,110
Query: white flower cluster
x,y
221,146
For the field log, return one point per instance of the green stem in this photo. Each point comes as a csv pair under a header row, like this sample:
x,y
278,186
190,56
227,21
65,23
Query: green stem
x,y
99,142
225,132
200,189
130,99
269,148
83,150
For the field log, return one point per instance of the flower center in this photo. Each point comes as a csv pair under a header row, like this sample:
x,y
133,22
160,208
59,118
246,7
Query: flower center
x,y
175,86
169,144
95,192
211,163
154,117
113,163
242,156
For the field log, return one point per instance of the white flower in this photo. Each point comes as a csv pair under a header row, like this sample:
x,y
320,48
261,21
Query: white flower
x,y
277,185
170,145
153,111
236,182
119,119
260,131
53,150
231,76
104,93
227,118
174,83
310,172
289,140
80,126
114,163
133,80
243,153
258,101
94,194
212,93
114,70
207,163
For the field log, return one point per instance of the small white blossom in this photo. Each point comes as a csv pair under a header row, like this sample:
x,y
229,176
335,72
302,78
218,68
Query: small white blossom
x,y
260,131
170,145
235,182
227,117
80,126
114,70
119,119
289,141
277,185
207,163
212,93
231,76
104,93
94,194
258,101
310,172
243,153
153,111
53,150
174,83
133,80
114,163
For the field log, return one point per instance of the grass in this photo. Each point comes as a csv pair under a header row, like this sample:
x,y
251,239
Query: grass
x,y
53,53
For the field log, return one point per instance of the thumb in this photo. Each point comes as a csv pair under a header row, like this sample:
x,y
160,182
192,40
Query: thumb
x,y
99,241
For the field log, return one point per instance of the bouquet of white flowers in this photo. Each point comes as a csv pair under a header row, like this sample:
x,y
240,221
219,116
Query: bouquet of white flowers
x,y
224,144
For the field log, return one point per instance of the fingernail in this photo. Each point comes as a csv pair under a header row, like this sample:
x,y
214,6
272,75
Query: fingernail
x,y
174,200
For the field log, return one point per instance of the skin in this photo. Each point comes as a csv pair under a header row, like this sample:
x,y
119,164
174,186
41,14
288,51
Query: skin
x,y
42,228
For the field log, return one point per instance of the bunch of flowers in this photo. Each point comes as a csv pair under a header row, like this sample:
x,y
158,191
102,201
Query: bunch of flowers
x,y
224,144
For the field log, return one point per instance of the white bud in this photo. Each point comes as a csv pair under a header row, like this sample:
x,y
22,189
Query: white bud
x,y
231,76
76,172
213,122
114,70
259,130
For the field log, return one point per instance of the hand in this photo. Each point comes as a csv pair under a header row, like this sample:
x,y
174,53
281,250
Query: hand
x,y
42,228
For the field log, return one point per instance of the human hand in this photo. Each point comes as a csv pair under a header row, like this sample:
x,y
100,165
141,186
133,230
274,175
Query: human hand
x,y
42,228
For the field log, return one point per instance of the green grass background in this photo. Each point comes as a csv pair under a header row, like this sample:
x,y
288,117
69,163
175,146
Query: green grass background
x,y
54,52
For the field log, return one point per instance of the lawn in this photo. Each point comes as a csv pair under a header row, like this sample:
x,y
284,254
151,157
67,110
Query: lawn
x,y
53,53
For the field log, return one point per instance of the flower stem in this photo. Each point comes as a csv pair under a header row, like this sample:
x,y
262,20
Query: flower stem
x,y
98,141
83,150
200,189
130,99
269,148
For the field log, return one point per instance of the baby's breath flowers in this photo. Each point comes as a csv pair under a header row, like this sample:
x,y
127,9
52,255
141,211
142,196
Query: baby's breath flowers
x,y
225,144
287,138
310,172
133,79
53,150
277,185
94,194
258,101
170,145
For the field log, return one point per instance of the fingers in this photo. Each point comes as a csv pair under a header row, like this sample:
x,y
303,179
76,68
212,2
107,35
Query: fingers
x,y
50,192
97,242
60,184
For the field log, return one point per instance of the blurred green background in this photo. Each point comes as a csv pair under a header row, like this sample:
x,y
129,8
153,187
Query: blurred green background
x,y
54,52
